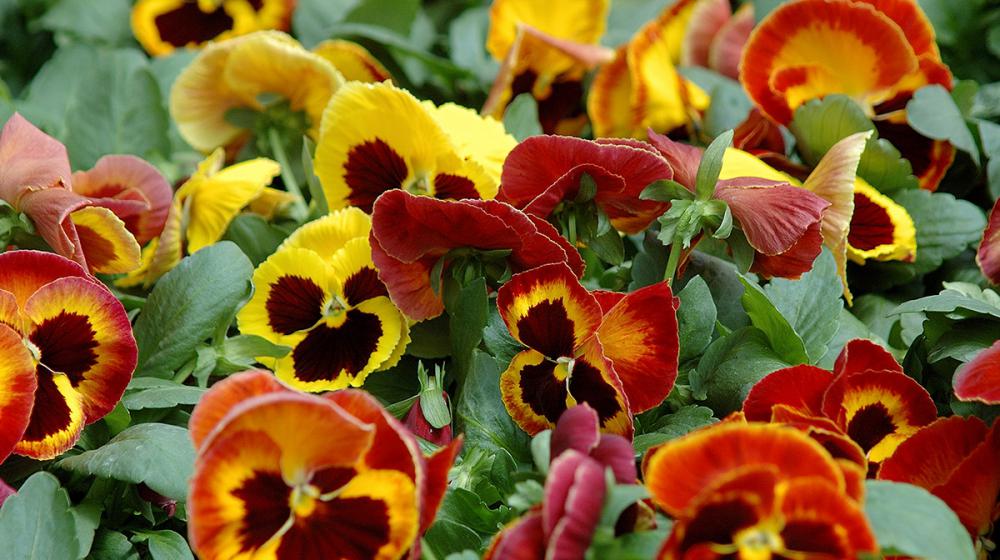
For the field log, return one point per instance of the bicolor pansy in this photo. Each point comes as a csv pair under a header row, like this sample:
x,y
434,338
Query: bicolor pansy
x,y
266,486
617,353
162,26
66,353
320,294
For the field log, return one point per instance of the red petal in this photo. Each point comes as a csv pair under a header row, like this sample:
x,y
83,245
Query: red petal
x,y
988,255
436,480
29,158
683,159
974,488
794,262
17,377
800,387
929,457
727,47
22,273
707,18
576,429
131,188
774,216
574,493
226,394
979,379
860,355
639,336
523,539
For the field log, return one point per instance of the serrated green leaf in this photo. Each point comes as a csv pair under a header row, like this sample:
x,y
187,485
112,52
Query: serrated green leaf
x,y
159,455
765,316
187,305
165,545
150,392
481,415
731,366
672,426
37,522
911,521
809,303
695,318
666,190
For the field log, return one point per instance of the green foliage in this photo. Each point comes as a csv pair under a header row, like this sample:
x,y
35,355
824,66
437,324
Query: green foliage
x,y
37,523
908,520
521,117
933,113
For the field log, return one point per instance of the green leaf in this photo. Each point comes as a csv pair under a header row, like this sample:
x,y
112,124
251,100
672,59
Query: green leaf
x,y
521,117
468,316
481,415
743,252
187,305
821,123
711,165
100,23
731,366
241,352
618,499
609,246
728,108
118,109
257,238
88,518
112,545
159,455
446,537
911,521
666,190
498,340
150,392
933,113
313,20
165,545
809,303
724,282
765,316
37,522
467,39
945,225
430,339
763,7
47,99
949,301
695,318
672,426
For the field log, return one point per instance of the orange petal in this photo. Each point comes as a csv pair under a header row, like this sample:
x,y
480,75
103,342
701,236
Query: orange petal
x,y
799,387
811,48
225,395
708,17
979,378
819,518
929,458
29,159
860,355
17,377
106,243
22,273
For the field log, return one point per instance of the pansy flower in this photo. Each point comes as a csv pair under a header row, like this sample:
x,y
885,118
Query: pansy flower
x,y
615,352
131,188
861,223
575,488
319,293
867,397
545,49
202,209
66,353
265,71
955,459
265,484
367,146
641,89
161,26
411,234
714,36
979,378
785,225
876,52
544,172
35,179
353,61
754,491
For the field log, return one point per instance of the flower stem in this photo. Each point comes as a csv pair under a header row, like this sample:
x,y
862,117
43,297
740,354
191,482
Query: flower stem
x,y
287,175
672,260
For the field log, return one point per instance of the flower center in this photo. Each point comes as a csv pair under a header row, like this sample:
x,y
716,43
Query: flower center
x,y
758,543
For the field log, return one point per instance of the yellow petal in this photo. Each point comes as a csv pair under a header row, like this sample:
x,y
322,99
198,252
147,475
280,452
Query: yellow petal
x,y
353,61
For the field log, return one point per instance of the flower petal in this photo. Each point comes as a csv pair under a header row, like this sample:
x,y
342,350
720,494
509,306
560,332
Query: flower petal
x,y
820,519
861,355
726,49
22,273
774,216
988,254
522,539
548,310
708,17
328,234
574,493
435,483
106,244
57,418
800,387
226,394
29,158
881,229
811,48
929,457
576,429
979,378
131,188
974,487
639,336
17,376
482,139
677,471
353,61
534,391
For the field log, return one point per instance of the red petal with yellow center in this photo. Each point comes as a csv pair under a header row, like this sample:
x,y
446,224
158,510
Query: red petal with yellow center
x,y
22,273
861,355
17,377
131,188
979,378
409,234
807,49
912,20
988,255
226,394
289,418
593,381
878,410
534,391
677,471
543,171
774,216
29,158
574,494
522,539
547,309
820,519
799,387
639,336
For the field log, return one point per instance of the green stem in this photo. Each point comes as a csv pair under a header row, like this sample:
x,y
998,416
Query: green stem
x,y
672,260
572,228
287,176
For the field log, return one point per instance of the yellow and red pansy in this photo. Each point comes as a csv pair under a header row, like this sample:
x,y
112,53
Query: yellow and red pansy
x,y
161,26
242,73
319,293
36,181
979,378
367,147
545,50
410,234
880,229
955,459
867,398
68,353
754,490
543,172
641,89
202,209
264,485
578,353
353,61
131,188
